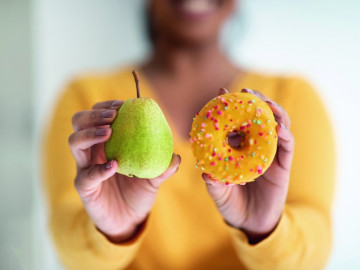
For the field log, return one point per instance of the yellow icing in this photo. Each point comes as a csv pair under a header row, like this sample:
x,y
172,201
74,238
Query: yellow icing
x,y
235,112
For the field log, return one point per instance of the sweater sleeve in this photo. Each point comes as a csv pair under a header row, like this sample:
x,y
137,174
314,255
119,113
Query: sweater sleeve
x,y
302,239
79,244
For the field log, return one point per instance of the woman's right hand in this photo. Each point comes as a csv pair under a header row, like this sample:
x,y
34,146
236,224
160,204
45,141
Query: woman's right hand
x,y
116,203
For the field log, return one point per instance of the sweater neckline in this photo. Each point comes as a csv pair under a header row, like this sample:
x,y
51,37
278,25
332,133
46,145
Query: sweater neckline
x,y
148,91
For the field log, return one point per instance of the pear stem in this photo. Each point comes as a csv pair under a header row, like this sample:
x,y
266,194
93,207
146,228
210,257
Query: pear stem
x,y
136,78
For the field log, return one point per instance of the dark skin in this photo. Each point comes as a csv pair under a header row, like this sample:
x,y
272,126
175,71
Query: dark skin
x,y
200,80
188,62
186,70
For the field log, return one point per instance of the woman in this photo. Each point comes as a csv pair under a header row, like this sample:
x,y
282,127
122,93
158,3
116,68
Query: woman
x,y
109,221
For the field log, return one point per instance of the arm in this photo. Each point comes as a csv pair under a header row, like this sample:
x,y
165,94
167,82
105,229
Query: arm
x,y
301,237
79,244
104,207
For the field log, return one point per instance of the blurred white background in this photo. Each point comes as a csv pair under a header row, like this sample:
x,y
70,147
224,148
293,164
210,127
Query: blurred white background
x,y
45,43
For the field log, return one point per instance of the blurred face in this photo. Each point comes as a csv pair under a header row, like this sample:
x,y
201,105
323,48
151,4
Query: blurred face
x,y
192,22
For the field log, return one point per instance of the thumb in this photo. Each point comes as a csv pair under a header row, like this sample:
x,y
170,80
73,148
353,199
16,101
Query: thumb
x,y
223,91
229,200
219,192
170,171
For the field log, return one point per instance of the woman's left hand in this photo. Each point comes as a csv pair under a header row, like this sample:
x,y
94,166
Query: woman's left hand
x,y
256,208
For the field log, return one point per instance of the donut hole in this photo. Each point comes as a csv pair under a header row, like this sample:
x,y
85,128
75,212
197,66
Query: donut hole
x,y
236,139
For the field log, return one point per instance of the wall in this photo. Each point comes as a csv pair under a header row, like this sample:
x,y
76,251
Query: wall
x,y
15,135
73,37
317,39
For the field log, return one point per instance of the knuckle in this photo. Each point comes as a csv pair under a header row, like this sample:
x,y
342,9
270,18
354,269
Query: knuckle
x,y
75,118
93,172
153,185
77,183
80,187
71,139
95,105
92,115
89,134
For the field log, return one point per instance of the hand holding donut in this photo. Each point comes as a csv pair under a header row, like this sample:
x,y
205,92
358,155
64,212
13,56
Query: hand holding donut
x,y
256,208
115,203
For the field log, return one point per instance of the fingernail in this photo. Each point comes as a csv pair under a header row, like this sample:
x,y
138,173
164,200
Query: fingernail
x,y
223,90
247,90
272,103
108,113
177,168
205,175
108,165
209,177
101,132
116,103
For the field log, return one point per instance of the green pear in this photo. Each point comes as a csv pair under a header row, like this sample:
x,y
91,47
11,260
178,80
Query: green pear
x,y
141,139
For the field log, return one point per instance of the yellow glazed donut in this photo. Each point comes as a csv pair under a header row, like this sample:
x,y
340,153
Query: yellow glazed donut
x,y
252,119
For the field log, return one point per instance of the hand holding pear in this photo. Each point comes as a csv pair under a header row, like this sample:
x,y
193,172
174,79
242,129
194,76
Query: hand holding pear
x,y
116,205
141,140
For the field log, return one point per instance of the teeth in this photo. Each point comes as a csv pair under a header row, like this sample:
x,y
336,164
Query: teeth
x,y
198,6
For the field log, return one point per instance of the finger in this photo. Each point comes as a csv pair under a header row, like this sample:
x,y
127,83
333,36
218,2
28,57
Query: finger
x,y
84,139
223,91
110,104
286,144
89,179
209,180
281,116
97,153
170,171
255,93
218,191
81,141
87,119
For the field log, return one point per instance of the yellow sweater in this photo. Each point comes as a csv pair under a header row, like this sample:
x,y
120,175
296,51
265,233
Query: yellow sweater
x,y
185,230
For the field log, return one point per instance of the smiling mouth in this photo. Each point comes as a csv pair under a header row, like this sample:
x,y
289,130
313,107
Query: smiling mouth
x,y
196,8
